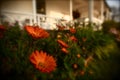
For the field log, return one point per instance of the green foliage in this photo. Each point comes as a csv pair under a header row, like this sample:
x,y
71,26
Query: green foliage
x,y
112,28
16,47
107,25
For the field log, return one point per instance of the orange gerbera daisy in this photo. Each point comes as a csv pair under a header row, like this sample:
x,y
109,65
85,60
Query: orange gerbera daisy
x,y
73,38
36,32
65,50
42,61
72,30
63,44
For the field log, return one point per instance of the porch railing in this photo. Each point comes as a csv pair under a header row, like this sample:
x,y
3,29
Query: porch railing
x,y
28,19
43,21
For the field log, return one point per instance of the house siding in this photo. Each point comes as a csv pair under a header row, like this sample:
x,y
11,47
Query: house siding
x,y
17,5
81,6
58,8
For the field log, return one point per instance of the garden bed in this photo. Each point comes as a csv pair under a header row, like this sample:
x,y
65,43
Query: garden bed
x,y
36,54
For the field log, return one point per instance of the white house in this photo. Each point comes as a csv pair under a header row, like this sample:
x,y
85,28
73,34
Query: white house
x,y
48,12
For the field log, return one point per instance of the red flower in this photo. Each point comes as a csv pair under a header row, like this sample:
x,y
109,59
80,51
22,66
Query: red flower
x,y
72,30
73,38
2,29
63,44
65,50
36,32
42,61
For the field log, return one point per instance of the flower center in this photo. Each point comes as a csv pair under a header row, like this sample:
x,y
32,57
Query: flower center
x,y
41,64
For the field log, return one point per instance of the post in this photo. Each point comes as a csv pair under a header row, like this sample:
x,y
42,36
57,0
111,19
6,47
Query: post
x,y
71,9
102,9
0,13
90,13
34,11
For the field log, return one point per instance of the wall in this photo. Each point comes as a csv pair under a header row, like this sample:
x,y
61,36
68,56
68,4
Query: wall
x,y
82,6
58,8
17,5
15,10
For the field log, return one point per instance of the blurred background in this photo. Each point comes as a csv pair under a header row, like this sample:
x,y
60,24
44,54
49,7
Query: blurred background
x,y
115,7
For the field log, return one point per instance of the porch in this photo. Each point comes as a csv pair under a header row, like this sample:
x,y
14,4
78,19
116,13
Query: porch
x,y
48,21
41,20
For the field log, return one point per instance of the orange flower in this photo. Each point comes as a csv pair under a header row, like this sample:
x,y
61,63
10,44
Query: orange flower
x,y
65,50
78,55
59,36
73,38
42,61
36,32
72,30
60,27
88,60
84,39
63,44
75,66
82,72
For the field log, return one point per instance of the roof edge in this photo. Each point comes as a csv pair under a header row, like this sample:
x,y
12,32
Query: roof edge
x,y
106,4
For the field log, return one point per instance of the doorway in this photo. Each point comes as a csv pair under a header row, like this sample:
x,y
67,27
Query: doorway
x,y
40,5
